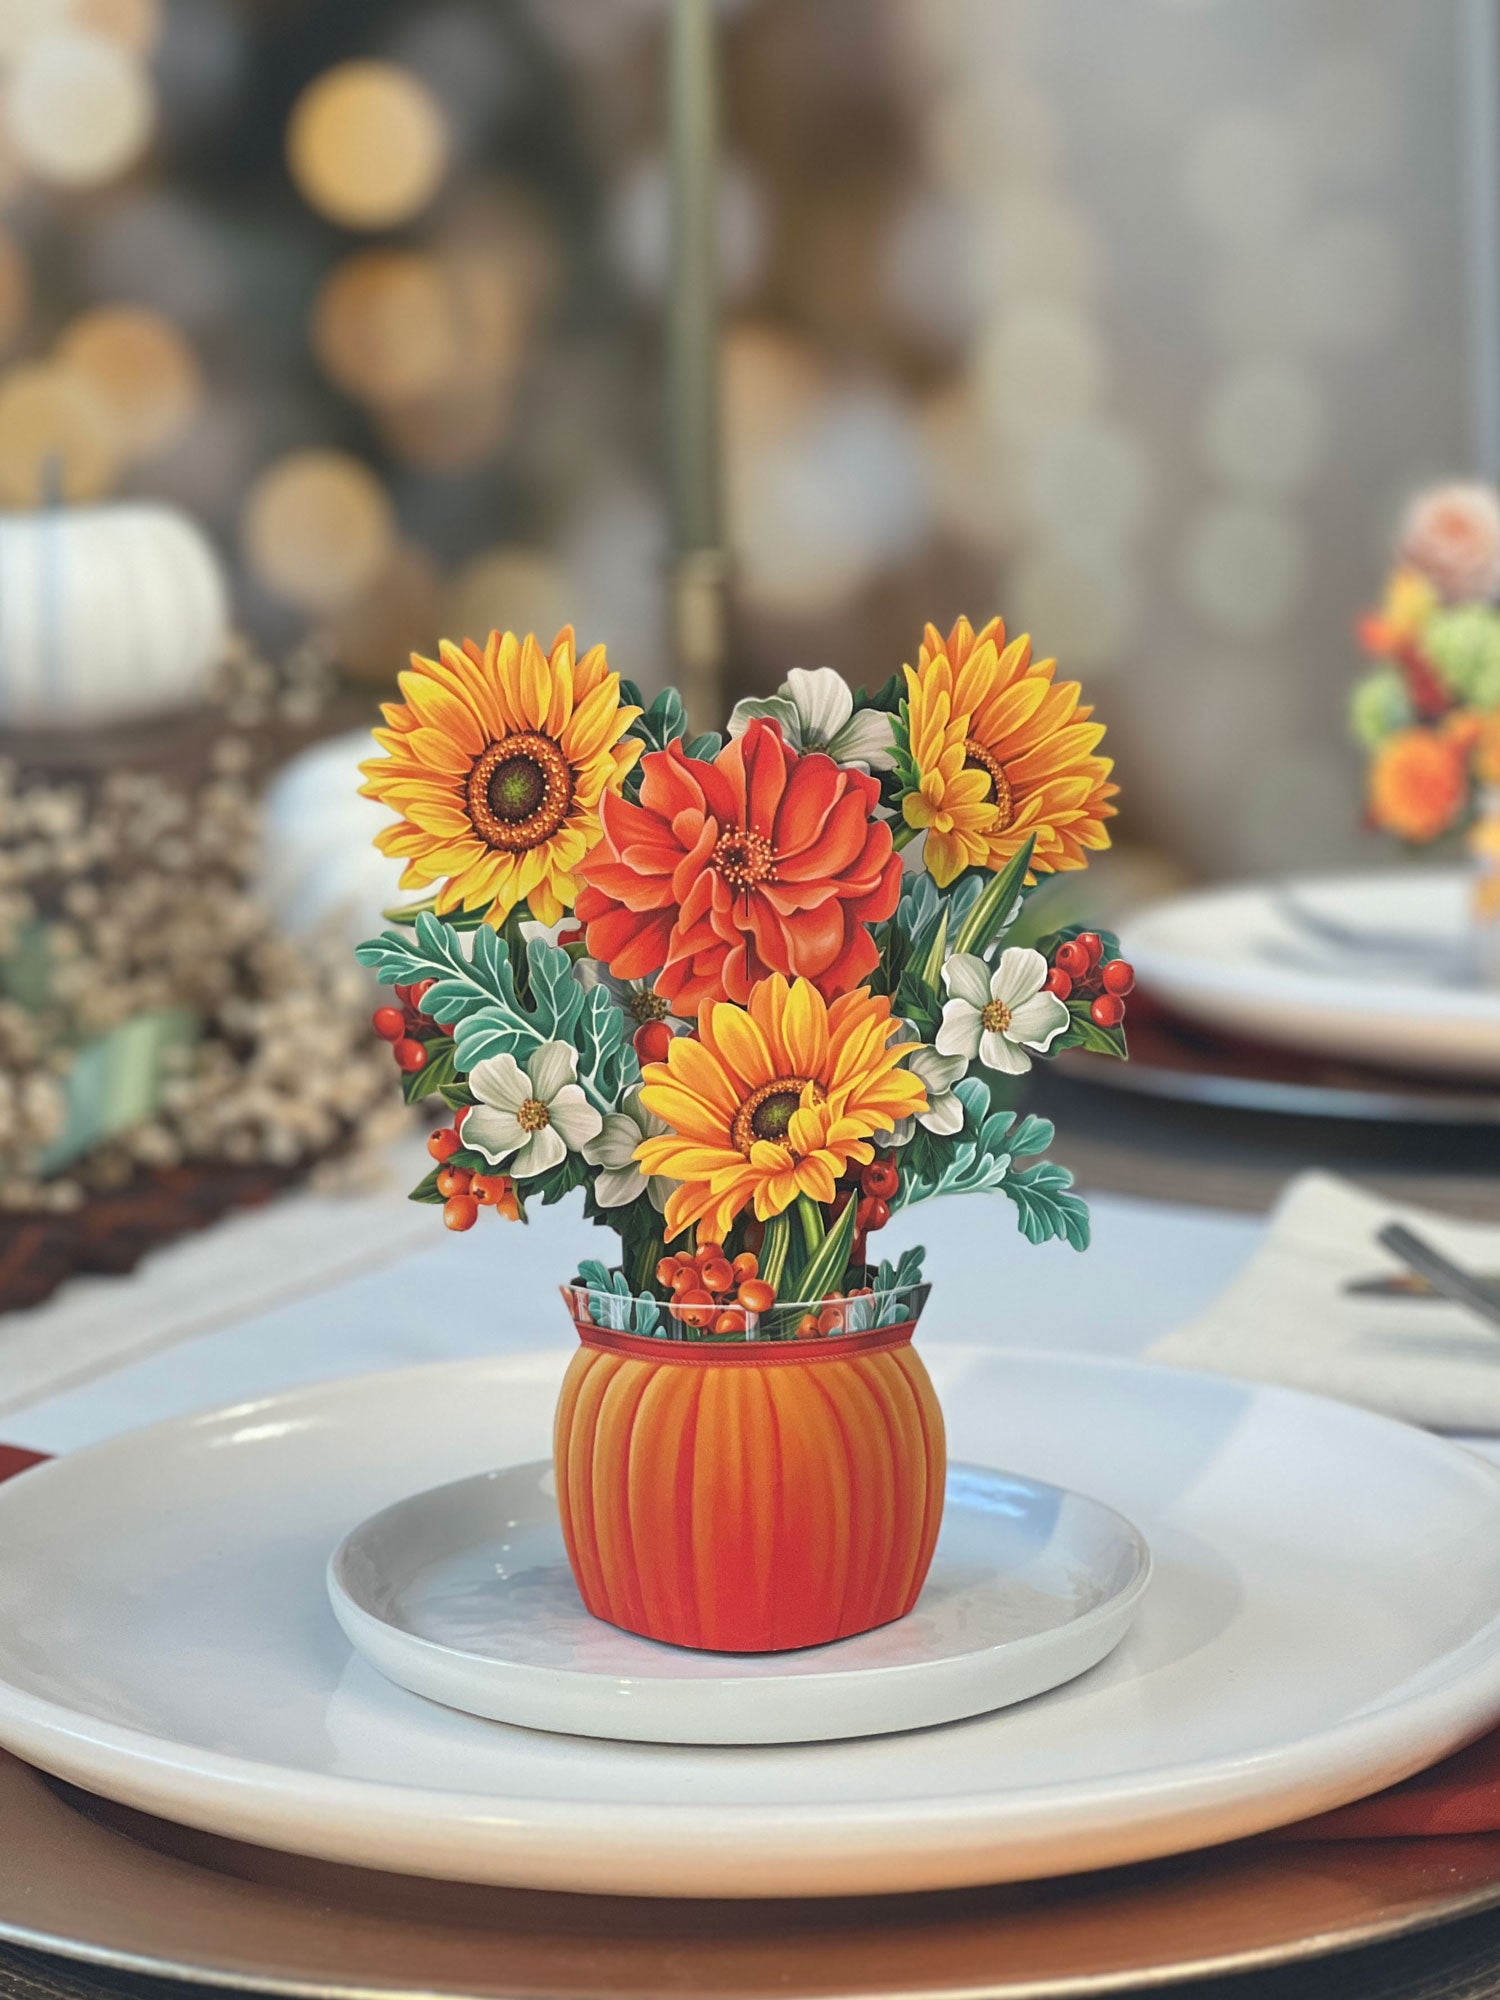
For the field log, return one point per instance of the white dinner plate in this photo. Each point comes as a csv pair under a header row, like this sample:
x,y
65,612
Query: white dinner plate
x,y
464,1594
1375,968
1323,1618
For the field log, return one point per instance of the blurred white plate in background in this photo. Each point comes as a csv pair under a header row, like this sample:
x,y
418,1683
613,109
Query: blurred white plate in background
x,y
1375,968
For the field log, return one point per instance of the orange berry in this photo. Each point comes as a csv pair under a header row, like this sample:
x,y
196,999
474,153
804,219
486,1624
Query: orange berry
x,y
460,1211
686,1277
756,1295
488,1189
443,1143
666,1271
730,1321
717,1275
807,1327
410,1055
453,1180
694,1306
460,1115
746,1265
707,1247
831,1319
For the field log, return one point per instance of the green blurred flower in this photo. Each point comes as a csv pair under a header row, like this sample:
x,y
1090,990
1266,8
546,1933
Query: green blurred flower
x,y
1464,646
1379,705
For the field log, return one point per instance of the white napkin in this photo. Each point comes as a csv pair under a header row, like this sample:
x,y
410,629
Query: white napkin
x,y
1288,1318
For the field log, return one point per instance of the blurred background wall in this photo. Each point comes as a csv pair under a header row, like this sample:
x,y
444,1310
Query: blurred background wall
x,y
1133,319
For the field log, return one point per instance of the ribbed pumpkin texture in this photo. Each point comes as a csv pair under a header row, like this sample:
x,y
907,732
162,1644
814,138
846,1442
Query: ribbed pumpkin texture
x,y
747,1501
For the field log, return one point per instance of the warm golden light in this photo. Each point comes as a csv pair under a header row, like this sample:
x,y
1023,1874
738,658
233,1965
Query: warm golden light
x,y
134,24
395,615
143,369
79,108
367,145
57,438
317,528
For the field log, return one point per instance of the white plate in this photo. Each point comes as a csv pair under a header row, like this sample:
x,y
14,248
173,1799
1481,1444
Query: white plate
x,y
1374,968
464,1594
1323,1618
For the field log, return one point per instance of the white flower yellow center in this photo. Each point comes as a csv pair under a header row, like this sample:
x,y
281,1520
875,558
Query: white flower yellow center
x,y
995,1017
533,1115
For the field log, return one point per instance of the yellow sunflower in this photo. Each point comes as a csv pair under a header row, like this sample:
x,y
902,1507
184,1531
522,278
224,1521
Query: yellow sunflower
x,y
1001,751
773,1100
497,760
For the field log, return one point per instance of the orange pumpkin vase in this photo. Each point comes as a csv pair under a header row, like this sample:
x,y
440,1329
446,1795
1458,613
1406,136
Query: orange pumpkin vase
x,y
749,1496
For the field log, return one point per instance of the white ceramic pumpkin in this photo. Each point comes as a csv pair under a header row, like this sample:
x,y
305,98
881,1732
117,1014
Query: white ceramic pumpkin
x,y
320,868
106,613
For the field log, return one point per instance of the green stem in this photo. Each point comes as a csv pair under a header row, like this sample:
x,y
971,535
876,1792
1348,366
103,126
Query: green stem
x,y
903,834
811,1218
515,945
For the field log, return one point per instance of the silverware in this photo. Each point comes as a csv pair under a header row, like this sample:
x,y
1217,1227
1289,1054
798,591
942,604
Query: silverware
x,y
1451,1279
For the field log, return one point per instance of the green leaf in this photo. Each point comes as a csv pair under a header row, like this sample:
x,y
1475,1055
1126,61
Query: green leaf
x,y
932,965
558,1181
1032,1135
435,1073
916,1002
1046,1205
999,905
1085,1033
559,1010
464,984
426,1189
458,1095
774,1249
824,1270
887,697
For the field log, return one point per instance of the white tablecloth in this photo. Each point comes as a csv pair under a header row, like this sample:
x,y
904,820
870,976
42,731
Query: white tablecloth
x,y
302,1318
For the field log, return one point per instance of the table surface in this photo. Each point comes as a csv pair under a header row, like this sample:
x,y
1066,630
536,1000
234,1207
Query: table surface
x,y
252,1306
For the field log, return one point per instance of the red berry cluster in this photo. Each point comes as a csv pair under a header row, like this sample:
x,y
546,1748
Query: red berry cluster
x,y
403,1026
1080,971
879,1184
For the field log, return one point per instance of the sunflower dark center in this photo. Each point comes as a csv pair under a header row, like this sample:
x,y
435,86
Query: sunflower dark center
x,y
978,758
519,791
767,1112
517,788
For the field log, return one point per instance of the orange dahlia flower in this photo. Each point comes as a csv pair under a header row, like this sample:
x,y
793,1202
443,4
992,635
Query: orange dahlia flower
x,y
774,1100
1419,782
760,862
1002,752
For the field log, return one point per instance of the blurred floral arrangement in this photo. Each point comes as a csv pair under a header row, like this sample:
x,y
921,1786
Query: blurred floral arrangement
x,y
151,1016
1428,711
765,1030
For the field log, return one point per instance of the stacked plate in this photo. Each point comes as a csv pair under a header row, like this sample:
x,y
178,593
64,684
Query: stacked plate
x,y
1321,1620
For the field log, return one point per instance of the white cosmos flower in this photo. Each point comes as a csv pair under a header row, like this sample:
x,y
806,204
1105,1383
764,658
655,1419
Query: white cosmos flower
x,y
538,1114
999,1015
614,1151
814,710
945,1111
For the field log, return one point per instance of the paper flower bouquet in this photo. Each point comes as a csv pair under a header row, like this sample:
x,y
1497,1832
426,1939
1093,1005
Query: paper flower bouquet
x,y
1428,710
765,1029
